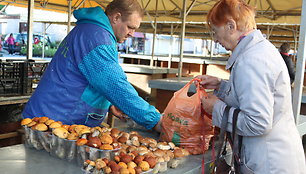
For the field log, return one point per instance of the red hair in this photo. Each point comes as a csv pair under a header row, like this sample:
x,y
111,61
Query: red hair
x,y
238,10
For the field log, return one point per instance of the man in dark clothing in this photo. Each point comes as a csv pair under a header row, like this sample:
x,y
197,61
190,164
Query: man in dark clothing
x,y
284,50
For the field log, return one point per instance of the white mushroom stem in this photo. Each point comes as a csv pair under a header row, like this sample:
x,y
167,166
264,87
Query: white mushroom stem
x,y
95,133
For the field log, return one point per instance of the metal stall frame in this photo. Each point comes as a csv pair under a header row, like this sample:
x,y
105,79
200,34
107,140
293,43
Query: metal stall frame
x,y
300,120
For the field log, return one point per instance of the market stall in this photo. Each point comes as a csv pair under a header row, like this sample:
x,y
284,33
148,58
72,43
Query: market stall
x,y
23,159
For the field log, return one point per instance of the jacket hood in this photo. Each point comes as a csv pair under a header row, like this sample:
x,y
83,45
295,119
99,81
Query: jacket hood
x,y
94,15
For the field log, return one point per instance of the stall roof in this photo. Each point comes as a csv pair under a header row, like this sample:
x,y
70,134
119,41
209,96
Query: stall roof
x,y
279,19
268,11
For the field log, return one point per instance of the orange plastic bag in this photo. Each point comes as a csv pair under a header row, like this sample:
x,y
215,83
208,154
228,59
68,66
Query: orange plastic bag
x,y
184,122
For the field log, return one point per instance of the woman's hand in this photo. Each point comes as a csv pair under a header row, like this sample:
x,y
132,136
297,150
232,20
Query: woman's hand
x,y
208,103
209,82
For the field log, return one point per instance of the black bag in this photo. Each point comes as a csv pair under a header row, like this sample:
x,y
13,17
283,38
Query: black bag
x,y
237,166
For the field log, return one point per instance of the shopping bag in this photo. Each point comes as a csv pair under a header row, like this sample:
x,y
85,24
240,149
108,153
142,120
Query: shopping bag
x,y
184,123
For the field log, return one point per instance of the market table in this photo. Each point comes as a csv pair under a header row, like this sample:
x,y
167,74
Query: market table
x,y
19,159
192,65
139,76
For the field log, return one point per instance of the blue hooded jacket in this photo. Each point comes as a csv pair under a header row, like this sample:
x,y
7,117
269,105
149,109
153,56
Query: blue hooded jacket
x,y
84,78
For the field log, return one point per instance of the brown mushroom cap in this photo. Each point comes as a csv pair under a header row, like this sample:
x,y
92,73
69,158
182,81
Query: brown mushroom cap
x,y
81,142
138,159
32,123
115,132
26,121
144,165
84,131
124,171
151,160
131,170
106,147
122,164
48,122
41,127
60,132
65,126
100,164
131,164
178,153
138,170
106,139
126,158
107,170
122,139
73,136
94,142
36,119
55,125
43,119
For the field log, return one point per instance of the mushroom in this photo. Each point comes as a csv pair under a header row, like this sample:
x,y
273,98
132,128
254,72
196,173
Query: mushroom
x,y
122,165
48,122
55,125
100,163
65,126
31,124
36,119
124,171
81,142
163,146
26,121
41,127
94,142
115,132
60,132
126,158
151,161
73,136
106,139
43,119
144,165
106,147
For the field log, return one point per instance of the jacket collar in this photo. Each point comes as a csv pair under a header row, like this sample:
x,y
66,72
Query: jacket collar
x,y
94,15
248,41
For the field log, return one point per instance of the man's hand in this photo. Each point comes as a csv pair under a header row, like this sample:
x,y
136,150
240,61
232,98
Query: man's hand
x,y
158,127
117,112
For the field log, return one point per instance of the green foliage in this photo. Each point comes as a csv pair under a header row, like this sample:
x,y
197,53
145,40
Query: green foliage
x,y
37,50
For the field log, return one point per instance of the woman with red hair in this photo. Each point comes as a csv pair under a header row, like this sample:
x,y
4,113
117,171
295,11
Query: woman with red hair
x,y
259,85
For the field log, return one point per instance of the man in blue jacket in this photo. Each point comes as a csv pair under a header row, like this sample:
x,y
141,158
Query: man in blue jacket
x,y
84,79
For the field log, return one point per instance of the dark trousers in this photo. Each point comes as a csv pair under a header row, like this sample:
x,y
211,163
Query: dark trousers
x,y
11,49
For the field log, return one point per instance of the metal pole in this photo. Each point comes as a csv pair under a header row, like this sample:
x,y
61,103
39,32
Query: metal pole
x,y
69,16
211,49
30,29
300,67
43,41
154,35
180,67
295,32
170,50
24,76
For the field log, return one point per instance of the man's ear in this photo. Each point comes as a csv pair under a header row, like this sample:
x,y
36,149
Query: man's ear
x,y
115,18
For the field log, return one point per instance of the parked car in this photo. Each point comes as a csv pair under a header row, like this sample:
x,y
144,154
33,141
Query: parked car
x,y
22,38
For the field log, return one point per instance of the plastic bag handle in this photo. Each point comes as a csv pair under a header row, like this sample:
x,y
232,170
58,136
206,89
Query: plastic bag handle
x,y
198,90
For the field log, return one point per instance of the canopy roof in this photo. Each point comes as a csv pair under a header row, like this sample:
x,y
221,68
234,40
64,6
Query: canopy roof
x,y
280,18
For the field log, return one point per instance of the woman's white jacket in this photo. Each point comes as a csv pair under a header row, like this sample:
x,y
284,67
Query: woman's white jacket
x,y
259,85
